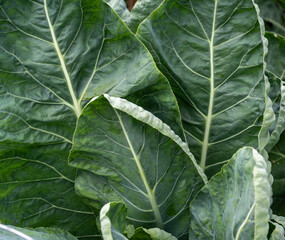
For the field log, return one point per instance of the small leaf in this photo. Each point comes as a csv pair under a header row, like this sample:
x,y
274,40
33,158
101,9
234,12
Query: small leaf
x,y
113,220
235,203
152,234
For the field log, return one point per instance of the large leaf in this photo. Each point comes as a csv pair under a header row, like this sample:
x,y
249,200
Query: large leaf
x,y
15,233
235,203
214,60
131,156
55,56
277,158
273,13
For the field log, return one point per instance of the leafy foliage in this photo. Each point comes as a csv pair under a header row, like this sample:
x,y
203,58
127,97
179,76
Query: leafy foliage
x,y
105,111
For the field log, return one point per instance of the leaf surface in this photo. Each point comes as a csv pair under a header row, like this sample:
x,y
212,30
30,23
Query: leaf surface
x,y
277,158
273,13
214,60
54,57
133,157
15,233
235,203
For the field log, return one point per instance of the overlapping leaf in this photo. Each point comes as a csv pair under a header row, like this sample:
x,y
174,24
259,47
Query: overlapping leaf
x,y
55,56
277,158
235,203
113,224
214,60
273,13
140,11
128,155
276,69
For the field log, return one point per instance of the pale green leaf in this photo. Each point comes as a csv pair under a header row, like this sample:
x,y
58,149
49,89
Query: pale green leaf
x,y
15,233
279,230
213,52
54,57
128,155
235,203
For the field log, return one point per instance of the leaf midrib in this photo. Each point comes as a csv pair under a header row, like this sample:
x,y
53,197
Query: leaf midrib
x,y
150,194
212,93
76,102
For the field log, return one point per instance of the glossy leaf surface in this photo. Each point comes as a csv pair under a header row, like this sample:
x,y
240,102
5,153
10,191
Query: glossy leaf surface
x,y
54,57
128,155
15,233
213,59
235,203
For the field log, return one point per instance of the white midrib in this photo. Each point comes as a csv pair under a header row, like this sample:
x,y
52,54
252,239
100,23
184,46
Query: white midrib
x,y
244,222
212,93
150,194
76,103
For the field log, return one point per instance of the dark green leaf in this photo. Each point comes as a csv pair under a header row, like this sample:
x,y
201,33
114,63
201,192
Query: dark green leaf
x,y
128,155
275,58
235,203
141,10
212,52
273,13
54,57
277,158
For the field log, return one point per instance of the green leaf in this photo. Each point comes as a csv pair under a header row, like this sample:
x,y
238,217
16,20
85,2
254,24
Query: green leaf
x,y
277,158
277,95
214,60
113,220
235,203
128,155
141,10
152,234
15,233
120,8
273,13
275,58
54,57
279,230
